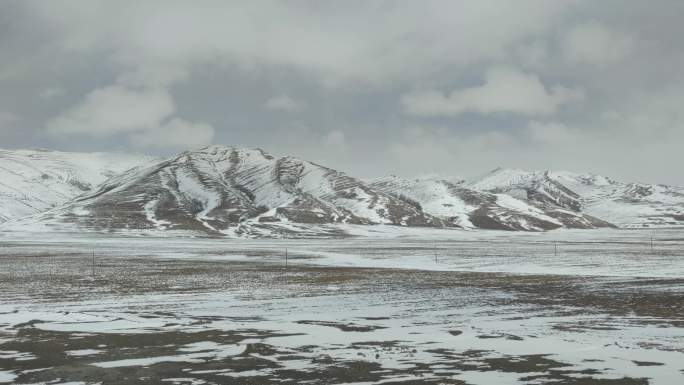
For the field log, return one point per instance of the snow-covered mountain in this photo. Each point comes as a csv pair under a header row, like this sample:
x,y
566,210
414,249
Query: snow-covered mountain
x,y
483,205
625,205
221,190
32,181
235,191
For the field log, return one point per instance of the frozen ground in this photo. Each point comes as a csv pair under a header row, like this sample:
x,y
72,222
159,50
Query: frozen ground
x,y
453,307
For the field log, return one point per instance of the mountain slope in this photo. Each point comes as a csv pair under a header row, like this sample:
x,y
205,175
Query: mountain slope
x,y
32,181
229,190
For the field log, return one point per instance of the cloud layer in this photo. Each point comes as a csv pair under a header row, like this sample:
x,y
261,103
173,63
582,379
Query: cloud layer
x,y
370,87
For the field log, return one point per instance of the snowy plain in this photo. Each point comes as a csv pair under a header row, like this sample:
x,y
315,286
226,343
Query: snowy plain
x,y
391,306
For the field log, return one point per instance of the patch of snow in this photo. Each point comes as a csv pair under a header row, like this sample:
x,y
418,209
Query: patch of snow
x,y
83,352
7,376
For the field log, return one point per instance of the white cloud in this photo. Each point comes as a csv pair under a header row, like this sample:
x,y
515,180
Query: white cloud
x,y
595,44
177,133
284,103
114,109
504,90
144,114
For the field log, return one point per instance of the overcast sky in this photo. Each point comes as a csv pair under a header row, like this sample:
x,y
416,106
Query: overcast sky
x,y
368,87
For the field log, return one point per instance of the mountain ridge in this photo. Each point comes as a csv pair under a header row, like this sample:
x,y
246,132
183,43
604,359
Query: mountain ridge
x,y
237,191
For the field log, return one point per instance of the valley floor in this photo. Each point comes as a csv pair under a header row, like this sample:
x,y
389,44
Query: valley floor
x,y
568,307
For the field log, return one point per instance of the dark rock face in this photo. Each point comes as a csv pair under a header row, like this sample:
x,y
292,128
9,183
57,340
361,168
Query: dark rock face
x,y
484,218
549,192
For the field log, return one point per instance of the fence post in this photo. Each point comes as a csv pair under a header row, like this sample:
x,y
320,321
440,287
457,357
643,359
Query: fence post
x,y
651,243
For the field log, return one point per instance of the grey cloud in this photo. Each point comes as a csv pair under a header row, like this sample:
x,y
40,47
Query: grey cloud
x,y
504,90
336,41
284,103
176,133
7,118
51,92
599,84
593,43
